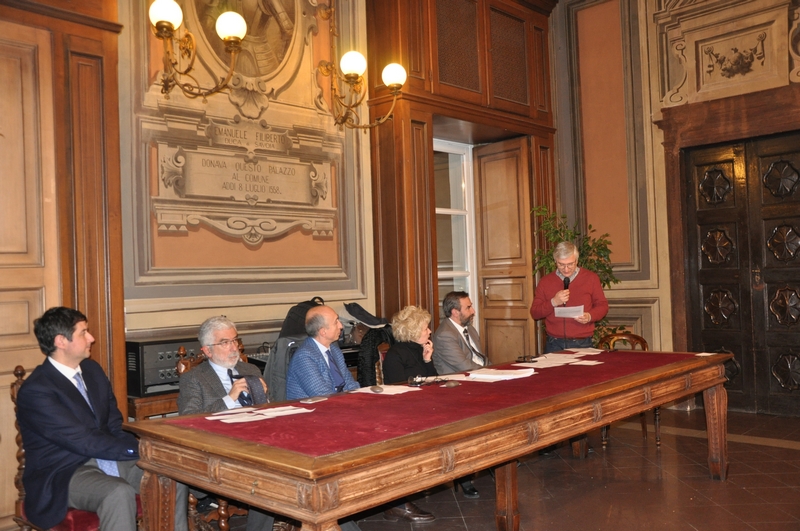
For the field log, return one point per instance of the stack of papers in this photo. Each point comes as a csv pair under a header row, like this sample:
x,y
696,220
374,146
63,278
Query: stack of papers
x,y
249,414
557,359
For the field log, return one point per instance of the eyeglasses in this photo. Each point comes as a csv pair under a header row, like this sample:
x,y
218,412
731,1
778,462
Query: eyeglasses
x,y
419,380
225,343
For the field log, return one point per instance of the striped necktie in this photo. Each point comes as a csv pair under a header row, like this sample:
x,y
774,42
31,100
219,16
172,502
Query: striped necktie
x,y
477,357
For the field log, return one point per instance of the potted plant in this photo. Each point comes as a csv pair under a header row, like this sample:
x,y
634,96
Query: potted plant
x,y
595,255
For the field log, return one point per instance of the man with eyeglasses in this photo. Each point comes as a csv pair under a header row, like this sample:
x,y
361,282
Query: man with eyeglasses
x,y
569,285
224,382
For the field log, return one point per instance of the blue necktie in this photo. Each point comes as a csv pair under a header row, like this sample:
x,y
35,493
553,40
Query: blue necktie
x,y
109,467
336,376
244,398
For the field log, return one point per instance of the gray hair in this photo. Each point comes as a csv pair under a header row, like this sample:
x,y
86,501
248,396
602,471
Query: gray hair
x,y
315,321
452,301
565,250
213,324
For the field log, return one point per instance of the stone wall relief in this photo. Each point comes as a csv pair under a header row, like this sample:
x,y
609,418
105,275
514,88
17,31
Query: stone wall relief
x,y
251,180
712,50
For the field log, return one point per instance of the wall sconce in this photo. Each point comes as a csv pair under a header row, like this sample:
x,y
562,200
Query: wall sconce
x,y
344,102
166,17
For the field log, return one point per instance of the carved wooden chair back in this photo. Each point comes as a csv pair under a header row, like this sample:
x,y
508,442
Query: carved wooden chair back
x,y
609,342
186,363
383,348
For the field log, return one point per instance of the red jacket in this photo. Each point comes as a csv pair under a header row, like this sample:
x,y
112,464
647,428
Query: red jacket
x,y
584,290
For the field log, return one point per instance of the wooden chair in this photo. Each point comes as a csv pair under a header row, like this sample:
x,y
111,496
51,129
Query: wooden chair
x,y
383,348
76,519
609,342
224,510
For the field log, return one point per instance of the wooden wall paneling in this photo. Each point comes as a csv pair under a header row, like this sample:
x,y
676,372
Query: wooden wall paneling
x,y
696,124
457,50
403,210
94,195
510,69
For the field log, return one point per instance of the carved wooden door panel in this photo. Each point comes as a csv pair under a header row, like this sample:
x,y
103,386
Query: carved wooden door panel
x,y
504,249
773,175
743,234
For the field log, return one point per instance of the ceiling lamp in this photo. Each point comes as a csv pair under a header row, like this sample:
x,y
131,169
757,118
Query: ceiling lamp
x,y
166,16
348,89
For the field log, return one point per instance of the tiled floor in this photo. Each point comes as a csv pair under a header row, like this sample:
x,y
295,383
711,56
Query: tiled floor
x,y
632,486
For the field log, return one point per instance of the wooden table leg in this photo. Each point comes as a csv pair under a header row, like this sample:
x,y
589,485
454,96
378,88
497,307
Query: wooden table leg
x,y
158,502
506,511
715,401
327,526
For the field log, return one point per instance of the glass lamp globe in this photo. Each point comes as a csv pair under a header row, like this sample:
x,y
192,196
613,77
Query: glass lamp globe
x,y
231,24
353,63
394,75
166,11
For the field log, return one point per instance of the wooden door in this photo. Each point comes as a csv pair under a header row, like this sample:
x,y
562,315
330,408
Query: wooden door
x,y
744,241
504,249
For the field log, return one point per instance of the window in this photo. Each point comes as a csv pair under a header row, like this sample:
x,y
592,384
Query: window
x,y
455,222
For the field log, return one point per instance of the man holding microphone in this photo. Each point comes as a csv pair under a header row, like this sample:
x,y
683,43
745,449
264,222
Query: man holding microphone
x,y
569,286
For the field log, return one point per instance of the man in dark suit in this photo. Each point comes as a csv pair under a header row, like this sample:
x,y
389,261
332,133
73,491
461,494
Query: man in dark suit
x,y
76,454
317,367
456,343
456,348
221,384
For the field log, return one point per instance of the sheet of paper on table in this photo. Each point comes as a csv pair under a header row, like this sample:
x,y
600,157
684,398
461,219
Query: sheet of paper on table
x,y
497,375
387,390
233,416
570,312
586,362
585,351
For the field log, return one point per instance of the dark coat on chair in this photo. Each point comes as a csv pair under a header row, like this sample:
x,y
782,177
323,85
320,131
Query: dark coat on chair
x,y
60,432
201,390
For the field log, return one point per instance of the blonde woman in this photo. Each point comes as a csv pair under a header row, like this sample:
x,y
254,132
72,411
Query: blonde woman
x,y
411,355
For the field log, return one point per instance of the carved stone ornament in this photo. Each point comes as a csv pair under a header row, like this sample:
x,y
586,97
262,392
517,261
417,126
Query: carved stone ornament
x,y
785,306
720,306
714,186
784,243
737,62
781,178
259,195
787,371
717,247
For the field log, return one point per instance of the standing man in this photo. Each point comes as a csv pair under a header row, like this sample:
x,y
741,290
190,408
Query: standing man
x,y
76,454
456,342
223,383
569,285
317,367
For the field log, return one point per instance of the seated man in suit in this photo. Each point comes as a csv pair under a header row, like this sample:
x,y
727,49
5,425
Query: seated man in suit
x,y
76,454
318,368
456,343
456,348
222,383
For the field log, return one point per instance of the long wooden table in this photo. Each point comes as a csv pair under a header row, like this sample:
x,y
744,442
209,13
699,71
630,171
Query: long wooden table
x,y
320,489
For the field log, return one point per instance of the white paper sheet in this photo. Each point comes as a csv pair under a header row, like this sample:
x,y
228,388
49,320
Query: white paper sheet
x,y
388,390
233,416
586,362
569,312
497,375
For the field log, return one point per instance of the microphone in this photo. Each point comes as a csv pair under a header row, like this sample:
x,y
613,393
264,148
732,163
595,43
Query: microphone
x,y
566,286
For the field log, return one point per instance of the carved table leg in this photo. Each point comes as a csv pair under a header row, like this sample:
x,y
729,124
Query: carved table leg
x,y
327,526
716,406
506,511
158,502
